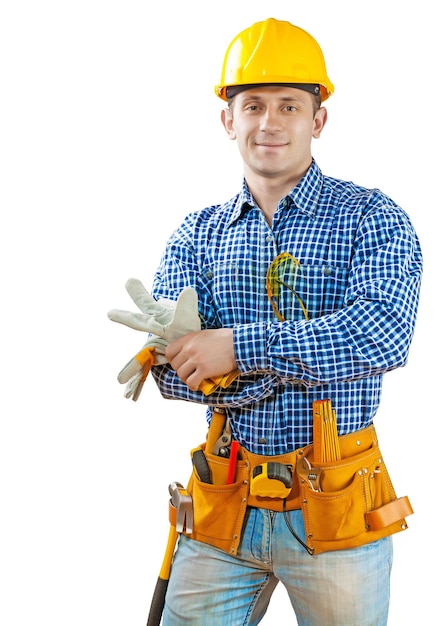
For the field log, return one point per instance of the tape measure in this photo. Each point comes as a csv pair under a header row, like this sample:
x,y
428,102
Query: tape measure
x,y
271,480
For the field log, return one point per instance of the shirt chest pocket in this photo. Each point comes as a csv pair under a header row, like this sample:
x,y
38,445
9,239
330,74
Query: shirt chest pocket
x,y
237,293
322,288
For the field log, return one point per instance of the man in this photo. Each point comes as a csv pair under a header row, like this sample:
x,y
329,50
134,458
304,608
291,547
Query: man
x,y
307,290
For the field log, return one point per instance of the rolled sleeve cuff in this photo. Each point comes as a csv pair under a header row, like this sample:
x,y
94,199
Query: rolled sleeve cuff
x,y
250,346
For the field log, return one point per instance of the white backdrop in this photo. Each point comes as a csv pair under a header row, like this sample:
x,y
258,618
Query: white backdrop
x,y
110,134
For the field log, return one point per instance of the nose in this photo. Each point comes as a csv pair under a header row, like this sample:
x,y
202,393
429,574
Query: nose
x,y
270,121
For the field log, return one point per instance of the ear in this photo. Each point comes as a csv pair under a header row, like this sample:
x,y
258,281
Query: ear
x,y
320,119
228,123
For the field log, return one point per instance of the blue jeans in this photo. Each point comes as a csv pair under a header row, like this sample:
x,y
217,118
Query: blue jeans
x,y
340,588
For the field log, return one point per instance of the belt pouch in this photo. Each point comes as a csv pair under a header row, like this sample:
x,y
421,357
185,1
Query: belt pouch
x,y
219,508
350,502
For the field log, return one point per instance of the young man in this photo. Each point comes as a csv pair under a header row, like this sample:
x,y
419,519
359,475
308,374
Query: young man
x,y
307,290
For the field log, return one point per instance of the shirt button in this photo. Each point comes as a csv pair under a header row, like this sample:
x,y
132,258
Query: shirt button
x,y
262,440
269,238
327,271
209,274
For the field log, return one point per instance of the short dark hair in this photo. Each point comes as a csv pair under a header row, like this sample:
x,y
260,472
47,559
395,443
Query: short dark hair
x,y
317,102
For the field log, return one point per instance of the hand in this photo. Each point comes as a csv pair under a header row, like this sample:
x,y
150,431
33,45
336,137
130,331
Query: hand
x,y
166,318
206,354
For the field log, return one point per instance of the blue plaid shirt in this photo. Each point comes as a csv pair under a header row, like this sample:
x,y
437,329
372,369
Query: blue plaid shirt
x,y
360,276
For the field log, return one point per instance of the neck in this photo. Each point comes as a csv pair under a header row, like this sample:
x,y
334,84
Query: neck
x,y
268,192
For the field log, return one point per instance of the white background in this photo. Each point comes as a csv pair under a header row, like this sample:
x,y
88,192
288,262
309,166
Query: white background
x,y
110,135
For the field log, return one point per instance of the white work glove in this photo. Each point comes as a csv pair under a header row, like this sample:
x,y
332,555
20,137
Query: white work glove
x,y
162,310
137,369
165,319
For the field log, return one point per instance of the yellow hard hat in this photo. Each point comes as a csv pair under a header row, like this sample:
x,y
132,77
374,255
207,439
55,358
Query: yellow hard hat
x,y
274,52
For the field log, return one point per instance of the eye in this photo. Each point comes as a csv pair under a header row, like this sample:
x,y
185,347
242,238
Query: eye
x,y
290,108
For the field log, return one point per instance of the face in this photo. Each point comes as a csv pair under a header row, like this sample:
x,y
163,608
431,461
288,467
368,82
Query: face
x,y
274,127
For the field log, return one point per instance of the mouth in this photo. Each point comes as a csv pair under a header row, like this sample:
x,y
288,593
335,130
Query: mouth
x,y
271,145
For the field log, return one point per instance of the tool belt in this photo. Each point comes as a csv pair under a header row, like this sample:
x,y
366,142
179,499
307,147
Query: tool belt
x,y
345,503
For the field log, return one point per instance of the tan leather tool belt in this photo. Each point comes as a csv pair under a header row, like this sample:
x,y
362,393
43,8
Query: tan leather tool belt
x,y
345,503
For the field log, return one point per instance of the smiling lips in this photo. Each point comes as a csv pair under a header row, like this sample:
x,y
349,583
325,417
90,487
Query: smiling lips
x,y
271,145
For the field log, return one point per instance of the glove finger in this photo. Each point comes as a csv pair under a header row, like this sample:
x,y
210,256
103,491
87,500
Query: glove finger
x,y
158,344
137,391
162,309
133,385
140,296
129,371
186,312
137,321
143,360
186,318
140,321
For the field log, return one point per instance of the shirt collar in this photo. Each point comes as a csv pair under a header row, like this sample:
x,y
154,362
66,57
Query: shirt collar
x,y
304,196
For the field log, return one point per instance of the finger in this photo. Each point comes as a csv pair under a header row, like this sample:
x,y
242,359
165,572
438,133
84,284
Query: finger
x,y
160,359
173,349
193,381
184,368
187,375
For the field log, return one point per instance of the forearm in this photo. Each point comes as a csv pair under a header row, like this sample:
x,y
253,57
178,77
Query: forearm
x,y
365,339
244,391
367,334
